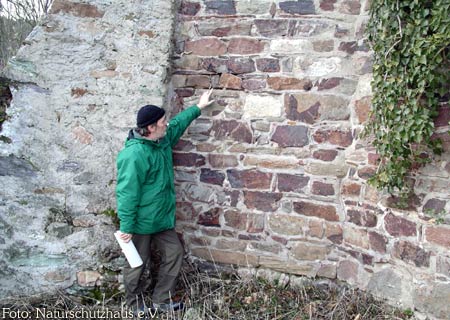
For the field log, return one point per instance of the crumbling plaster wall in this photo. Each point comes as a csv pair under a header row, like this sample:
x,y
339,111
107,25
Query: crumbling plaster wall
x,y
79,79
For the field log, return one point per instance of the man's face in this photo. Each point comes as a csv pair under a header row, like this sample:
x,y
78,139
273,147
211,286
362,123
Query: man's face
x,y
159,129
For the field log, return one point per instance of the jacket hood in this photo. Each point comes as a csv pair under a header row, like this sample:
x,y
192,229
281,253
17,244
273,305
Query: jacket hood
x,y
134,137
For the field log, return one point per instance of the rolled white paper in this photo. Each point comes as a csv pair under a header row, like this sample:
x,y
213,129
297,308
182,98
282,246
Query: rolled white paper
x,y
128,248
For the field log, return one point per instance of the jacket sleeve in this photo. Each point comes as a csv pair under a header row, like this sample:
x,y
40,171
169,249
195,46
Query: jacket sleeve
x,y
131,169
180,122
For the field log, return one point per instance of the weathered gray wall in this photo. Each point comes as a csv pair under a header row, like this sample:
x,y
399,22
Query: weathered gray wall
x,y
272,176
83,72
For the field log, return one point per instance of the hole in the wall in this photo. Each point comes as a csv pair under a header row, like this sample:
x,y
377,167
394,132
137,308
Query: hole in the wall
x,y
5,101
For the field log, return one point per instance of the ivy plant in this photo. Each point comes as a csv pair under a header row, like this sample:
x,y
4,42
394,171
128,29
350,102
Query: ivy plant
x,y
411,41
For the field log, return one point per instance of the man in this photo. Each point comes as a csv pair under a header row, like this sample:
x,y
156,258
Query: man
x,y
146,199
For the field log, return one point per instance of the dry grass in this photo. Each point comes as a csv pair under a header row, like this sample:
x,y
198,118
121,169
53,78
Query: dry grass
x,y
224,295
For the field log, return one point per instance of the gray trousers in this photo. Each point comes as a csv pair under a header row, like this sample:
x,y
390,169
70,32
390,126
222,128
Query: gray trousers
x,y
169,245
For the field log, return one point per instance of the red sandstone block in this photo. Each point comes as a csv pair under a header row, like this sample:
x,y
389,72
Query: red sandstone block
x,y
322,189
268,65
366,172
264,201
224,27
410,252
336,137
241,65
291,136
249,179
326,212
188,159
238,131
214,65
397,226
377,242
183,145
245,46
325,155
283,83
351,47
443,117
373,158
198,81
362,257
327,5
291,183
362,218
279,239
434,205
184,92
206,47
438,235
362,108
309,107
230,81
327,84
351,189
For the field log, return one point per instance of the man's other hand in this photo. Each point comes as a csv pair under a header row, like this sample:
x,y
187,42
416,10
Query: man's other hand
x,y
126,237
204,99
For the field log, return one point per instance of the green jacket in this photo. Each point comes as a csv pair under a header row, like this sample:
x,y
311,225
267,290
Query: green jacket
x,y
145,189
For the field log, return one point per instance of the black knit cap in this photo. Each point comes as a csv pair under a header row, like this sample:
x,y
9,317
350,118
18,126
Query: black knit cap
x,y
148,115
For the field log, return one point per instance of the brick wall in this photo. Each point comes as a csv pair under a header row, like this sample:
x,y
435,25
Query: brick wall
x,y
274,174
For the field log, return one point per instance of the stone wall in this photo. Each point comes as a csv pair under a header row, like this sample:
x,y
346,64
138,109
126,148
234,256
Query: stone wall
x,y
80,77
274,175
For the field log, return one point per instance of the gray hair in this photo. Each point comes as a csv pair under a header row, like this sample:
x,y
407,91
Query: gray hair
x,y
142,131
